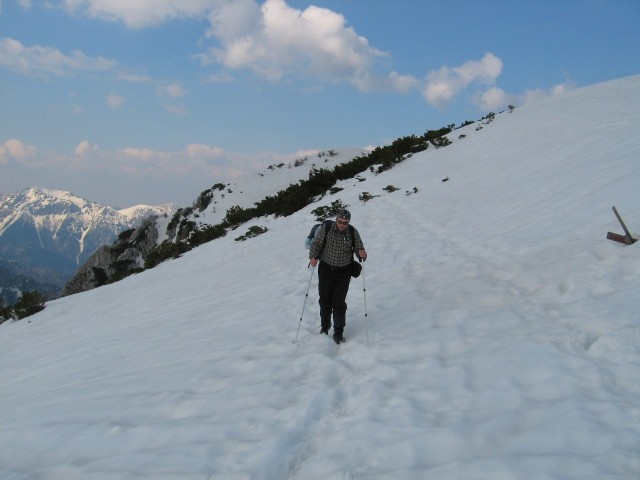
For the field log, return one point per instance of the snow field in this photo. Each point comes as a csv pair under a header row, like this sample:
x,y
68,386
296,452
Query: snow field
x,y
501,339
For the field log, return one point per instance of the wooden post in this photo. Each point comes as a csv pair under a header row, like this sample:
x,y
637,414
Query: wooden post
x,y
624,227
616,237
627,239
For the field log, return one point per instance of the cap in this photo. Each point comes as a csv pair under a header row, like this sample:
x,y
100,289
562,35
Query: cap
x,y
344,214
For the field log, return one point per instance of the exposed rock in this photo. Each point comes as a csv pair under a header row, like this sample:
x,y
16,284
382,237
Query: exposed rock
x,y
114,262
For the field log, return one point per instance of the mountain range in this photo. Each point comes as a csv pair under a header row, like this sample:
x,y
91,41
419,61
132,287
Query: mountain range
x,y
45,235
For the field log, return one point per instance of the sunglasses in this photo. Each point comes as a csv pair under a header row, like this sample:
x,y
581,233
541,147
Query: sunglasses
x,y
343,222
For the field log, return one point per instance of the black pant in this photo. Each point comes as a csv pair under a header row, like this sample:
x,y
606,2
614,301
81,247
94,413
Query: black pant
x,y
333,285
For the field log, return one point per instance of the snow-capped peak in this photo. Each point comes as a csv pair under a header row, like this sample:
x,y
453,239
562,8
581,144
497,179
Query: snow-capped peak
x,y
54,229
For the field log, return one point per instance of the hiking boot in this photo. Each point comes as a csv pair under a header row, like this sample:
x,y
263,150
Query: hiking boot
x,y
324,330
337,336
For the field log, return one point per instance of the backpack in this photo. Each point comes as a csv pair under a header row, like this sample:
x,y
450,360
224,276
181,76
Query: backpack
x,y
313,233
356,268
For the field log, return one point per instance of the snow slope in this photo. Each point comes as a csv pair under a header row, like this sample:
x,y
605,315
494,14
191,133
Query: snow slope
x,y
246,190
501,338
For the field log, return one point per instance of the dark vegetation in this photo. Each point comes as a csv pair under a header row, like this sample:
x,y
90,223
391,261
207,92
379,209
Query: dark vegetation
x,y
29,303
293,198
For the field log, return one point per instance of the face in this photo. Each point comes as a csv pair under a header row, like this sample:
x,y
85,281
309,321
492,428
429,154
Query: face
x,y
342,223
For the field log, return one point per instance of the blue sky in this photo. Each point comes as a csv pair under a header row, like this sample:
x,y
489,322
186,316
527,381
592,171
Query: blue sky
x,y
152,101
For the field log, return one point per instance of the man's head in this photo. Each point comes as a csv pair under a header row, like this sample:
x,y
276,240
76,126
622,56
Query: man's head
x,y
343,218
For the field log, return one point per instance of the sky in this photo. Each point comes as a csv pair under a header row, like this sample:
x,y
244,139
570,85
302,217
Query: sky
x,y
154,101
502,345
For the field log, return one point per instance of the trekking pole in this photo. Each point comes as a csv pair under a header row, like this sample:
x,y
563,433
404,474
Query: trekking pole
x,y
364,289
305,302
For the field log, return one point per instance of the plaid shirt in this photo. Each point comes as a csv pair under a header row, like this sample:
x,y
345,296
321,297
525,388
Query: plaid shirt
x,y
338,250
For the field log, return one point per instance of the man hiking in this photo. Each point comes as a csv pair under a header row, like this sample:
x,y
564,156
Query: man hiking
x,y
333,248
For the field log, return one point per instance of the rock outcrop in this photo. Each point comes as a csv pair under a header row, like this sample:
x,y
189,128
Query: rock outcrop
x,y
111,263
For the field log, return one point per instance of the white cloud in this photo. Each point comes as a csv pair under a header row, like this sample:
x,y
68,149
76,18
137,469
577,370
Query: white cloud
x,y
115,101
444,84
272,39
141,13
203,151
198,160
392,82
17,150
495,98
173,90
533,95
277,41
85,148
39,60
562,88
145,154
